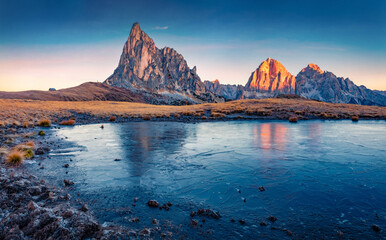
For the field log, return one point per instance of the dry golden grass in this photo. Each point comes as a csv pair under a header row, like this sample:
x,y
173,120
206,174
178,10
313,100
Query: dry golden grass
x,y
67,122
112,118
293,119
217,115
15,158
22,110
355,118
45,123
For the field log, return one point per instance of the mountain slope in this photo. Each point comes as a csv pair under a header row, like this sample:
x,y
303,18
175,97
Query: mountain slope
x,y
92,91
89,91
143,66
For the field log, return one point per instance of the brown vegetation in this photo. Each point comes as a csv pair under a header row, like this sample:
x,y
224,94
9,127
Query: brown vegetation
x,y
271,108
112,118
15,158
45,123
293,119
67,122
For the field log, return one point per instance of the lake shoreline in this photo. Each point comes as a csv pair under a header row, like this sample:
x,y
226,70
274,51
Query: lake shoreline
x,y
31,207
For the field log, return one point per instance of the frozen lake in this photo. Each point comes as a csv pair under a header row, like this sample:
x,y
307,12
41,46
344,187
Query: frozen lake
x,y
320,177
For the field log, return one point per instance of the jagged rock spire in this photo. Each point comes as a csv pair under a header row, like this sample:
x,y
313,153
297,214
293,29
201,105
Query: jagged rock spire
x,y
143,66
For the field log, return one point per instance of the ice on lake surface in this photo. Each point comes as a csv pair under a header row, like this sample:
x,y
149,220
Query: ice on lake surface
x,y
320,177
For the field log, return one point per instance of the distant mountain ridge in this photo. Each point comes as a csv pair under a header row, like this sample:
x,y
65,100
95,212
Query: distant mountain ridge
x,y
325,86
271,79
229,92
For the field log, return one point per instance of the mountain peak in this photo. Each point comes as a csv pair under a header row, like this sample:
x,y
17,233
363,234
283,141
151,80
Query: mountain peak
x,y
312,67
271,76
143,66
216,81
135,28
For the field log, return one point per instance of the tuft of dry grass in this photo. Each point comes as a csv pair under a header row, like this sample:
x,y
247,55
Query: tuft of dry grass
x,y
67,122
28,124
16,123
15,158
293,119
112,118
217,115
41,133
355,118
45,123
30,144
147,118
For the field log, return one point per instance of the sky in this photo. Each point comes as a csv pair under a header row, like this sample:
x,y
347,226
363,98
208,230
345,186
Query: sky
x,y
45,43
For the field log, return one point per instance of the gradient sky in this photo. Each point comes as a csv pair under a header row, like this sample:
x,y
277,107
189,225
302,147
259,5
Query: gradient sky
x,y
64,43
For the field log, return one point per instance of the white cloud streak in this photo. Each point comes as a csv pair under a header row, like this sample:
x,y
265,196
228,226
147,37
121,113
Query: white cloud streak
x,y
161,28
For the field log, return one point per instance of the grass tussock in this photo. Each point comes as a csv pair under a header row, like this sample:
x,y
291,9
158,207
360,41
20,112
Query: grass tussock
x,y
15,158
70,122
16,123
112,118
41,133
293,119
45,123
217,115
355,118
27,149
27,124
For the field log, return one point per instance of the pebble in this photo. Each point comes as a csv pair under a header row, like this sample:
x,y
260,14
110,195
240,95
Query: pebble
x,y
193,222
376,228
272,218
68,182
84,208
152,203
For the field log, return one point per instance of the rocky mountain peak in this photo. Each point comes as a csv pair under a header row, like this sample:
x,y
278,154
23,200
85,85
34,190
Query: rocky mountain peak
x,y
312,68
144,67
216,81
135,28
272,77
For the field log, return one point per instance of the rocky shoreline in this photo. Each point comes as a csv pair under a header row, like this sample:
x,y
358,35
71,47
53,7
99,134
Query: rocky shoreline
x,y
30,208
